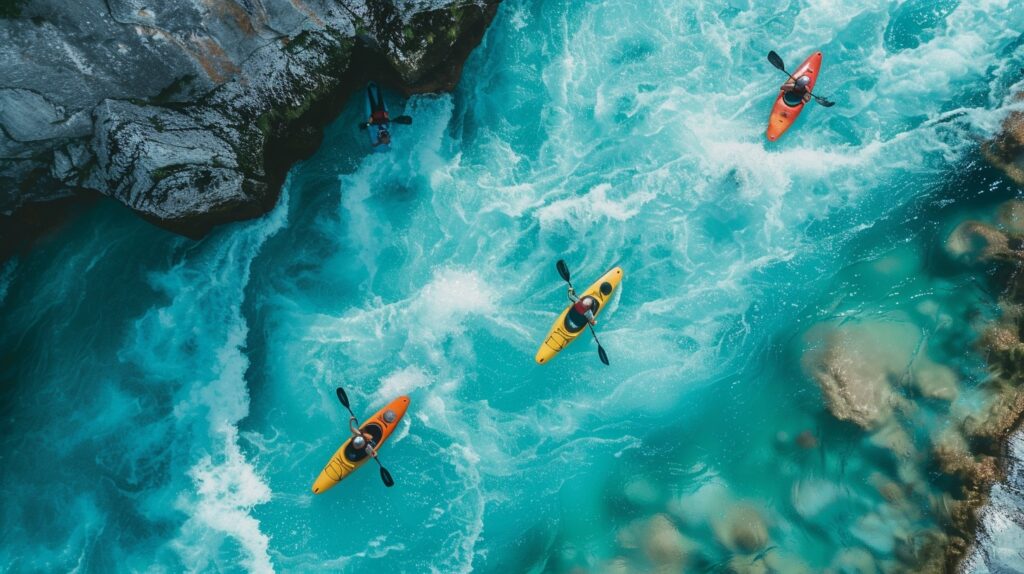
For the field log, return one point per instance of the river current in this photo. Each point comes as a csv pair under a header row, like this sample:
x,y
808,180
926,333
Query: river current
x,y
168,403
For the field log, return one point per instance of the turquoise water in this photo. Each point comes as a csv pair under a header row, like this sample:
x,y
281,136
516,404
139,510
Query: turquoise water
x,y
167,403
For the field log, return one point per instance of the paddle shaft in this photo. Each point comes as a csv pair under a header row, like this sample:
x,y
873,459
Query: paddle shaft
x,y
563,270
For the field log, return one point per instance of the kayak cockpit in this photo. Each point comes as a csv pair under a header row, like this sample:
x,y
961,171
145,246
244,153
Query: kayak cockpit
x,y
353,454
574,317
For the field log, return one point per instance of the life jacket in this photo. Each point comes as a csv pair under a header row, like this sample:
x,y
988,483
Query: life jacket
x,y
380,117
581,306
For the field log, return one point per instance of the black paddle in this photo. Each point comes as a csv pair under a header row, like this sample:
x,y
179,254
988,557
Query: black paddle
x,y
404,120
563,270
777,62
384,474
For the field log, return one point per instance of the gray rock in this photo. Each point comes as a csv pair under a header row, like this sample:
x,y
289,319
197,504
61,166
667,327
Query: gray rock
x,y
190,112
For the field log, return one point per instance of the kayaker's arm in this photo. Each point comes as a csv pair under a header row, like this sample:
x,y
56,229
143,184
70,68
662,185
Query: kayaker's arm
x,y
370,450
352,426
590,317
572,295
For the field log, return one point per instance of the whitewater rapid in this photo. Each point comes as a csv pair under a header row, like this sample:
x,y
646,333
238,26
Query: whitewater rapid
x,y
182,393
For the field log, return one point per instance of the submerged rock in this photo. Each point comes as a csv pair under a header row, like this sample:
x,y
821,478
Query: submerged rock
x,y
975,241
663,544
890,490
955,458
853,561
1001,414
742,529
1011,216
860,366
781,561
853,364
1006,151
746,565
806,440
191,112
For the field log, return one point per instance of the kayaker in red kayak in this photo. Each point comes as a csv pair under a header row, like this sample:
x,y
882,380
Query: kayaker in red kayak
x,y
582,310
797,91
379,114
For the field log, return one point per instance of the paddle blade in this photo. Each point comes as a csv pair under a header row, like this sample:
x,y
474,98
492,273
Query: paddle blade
x,y
776,60
386,477
603,355
563,270
825,103
342,397
405,120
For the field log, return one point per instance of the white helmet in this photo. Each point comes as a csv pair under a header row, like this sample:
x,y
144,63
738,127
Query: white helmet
x,y
802,81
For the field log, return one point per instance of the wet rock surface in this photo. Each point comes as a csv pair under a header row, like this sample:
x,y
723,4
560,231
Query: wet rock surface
x,y
190,113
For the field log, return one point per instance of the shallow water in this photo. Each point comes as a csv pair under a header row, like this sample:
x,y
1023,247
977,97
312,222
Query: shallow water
x,y
167,404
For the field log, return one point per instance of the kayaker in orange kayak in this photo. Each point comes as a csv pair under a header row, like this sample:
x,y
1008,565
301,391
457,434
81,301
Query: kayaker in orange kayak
x,y
360,439
794,94
797,91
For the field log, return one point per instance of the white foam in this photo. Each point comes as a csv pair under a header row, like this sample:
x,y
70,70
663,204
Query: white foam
x,y
195,344
593,207
402,382
1001,535
226,489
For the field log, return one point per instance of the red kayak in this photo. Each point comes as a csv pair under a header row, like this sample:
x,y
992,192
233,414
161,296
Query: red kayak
x,y
784,113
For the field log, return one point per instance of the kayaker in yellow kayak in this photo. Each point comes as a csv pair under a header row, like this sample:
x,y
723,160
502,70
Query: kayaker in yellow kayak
x,y
363,443
361,440
581,313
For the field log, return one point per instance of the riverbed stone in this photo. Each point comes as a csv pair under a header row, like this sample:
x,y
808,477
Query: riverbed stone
x,y
741,529
663,544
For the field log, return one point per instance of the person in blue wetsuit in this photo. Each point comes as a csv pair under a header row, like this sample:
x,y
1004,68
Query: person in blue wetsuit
x,y
796,92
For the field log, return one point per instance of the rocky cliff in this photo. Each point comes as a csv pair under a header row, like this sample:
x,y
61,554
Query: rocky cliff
x,y
190,112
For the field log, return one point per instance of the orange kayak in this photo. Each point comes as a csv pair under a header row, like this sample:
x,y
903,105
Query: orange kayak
x,y
784,114
347,459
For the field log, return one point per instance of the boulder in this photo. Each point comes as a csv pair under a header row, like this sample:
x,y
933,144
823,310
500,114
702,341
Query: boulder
x,y
191,112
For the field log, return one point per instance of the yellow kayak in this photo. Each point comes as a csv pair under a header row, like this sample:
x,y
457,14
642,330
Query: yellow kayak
x,y
346,460
560,334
